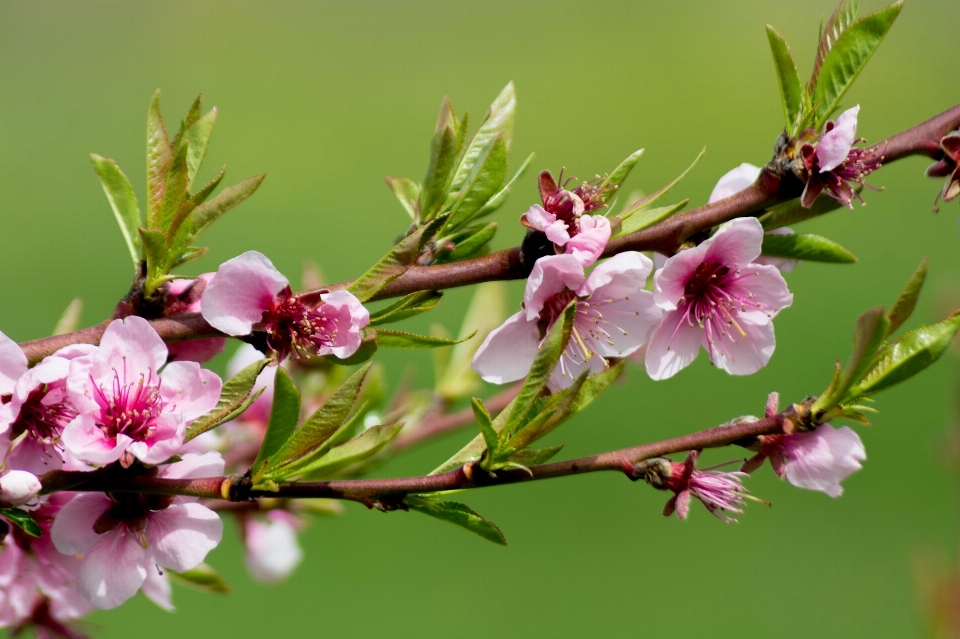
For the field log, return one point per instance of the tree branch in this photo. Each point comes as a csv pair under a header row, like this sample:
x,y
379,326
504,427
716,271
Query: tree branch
x,y
508,264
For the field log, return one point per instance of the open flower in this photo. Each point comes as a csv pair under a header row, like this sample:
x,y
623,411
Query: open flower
x,y
183,296
125,408
125,536
737,180
834,166
715,295
719,492
272,551
613,318
562,219
248,292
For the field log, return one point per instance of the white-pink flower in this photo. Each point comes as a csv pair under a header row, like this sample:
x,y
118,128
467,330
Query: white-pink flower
x,y
248,292
837,141
183,296
818,459
613,319
272,551
126,409
125,536
13,364
17,487
582,236
737,180
715,296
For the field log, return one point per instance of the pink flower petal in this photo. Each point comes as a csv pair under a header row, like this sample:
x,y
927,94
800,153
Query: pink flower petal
x,y
670,281
550,276
13,364
508,351
768,288
189,390
131,346
351,318
17,487
822,458
181,536
558,233
112,570
835,145
240,292
156,588
743,355
538,218
588,245
735,181
72,531
272,549
82,438
736,242
194,466
672,347
618,277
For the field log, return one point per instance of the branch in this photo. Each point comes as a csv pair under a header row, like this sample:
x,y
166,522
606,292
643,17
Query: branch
x,y
508,264
370,491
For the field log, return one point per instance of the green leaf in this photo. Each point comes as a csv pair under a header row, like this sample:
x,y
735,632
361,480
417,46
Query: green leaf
x,y
159,158
444,148
867,340
196,138
616,179
497,200
70,318
189,205
535,456
543,364
322,424
593,387
907,356
639,219
848,56
188,255
791,91
903,307
363,446
810,248
175,191
487,310
551,413
842,17
473,240
284,415
22,520
484,180
155,252
498,122
792,212
396,262
209,212
650,199
457,514
234,393
400,339
203,577
408,192
408,306
122,200
490,437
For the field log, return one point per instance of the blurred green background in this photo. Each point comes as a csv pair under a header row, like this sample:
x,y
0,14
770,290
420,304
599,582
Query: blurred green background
x,y
327,98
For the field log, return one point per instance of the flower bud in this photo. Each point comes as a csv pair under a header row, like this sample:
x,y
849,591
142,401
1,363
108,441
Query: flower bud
x,y
17,487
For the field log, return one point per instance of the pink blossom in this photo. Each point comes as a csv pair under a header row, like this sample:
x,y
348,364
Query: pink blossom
x,y
126,409
719,492
834,166
272,551
613,318
13,364
735,181
715,296
818,459
248,293
124,537
38,410
183,296
34,576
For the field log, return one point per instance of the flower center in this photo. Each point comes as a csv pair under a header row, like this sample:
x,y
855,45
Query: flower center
x,y
293,326
43,415
129,409
713,294
130,510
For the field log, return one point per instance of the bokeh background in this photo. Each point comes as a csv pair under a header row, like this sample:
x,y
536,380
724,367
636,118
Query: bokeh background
x,y
327,98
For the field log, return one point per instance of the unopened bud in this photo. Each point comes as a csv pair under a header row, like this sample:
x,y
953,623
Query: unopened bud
x,y
17,487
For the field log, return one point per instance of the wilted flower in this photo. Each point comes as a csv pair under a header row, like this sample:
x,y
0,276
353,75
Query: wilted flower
x,y
948,166
248,292
562,219
715,295
719,492
125,408
613,318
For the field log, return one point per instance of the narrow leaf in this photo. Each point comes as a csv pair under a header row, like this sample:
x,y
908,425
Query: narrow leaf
x,y
196,138
399,339
122,200
457,514
810,248
473,243
22,520
792,212
867,340
444,148
498,122
233,394
791,91
482,183
848,56
155,252
842,17
407,306
616,179
283,420
501,196
209,212
175,191
70,318
650,199
203,577
159,158
639,219
490,436
907,356
903,307
535,456
361,447
188,206
408,192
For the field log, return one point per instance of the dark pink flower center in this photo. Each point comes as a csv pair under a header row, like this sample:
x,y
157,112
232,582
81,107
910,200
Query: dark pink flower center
x,y
128,409
130,510
43,416
298,328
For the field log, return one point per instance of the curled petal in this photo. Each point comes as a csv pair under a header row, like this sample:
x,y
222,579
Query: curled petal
x,y
240,292
82,438
538,218
550,275
588,245
350,316
836,143
822,458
